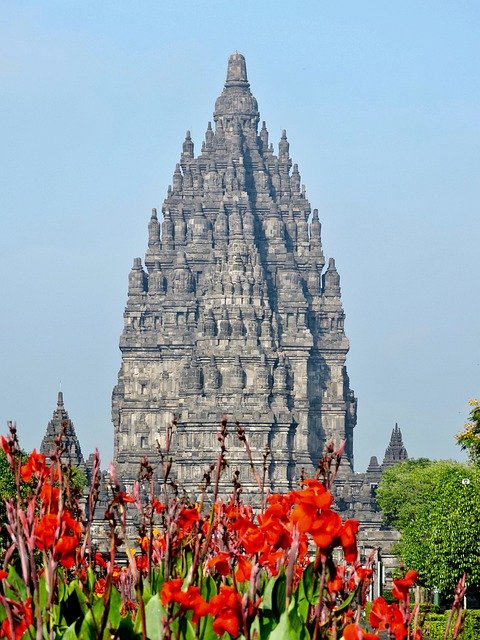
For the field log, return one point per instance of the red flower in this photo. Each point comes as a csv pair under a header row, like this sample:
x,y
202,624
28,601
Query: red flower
x,y
326,528
124,498
99,588
169,589
186,519
22,619
348,539
384,616
244,569
308,502
363,572
402,586
335,584
226,608
100,561
35,466
189,599
65,550
45,531
49,496
355,632
221,564
3,574
157,506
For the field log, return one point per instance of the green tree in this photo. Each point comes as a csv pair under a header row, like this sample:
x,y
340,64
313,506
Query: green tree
x,y
436,508
469,438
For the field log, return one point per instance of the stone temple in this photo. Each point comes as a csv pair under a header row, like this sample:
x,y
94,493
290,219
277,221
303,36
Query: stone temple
x,y
235,312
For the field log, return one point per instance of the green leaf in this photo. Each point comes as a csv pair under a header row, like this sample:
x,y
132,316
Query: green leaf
x,y
126,630
115,612
91,621
91,579
70,633
289,627
154,612
279,594
17,583
209,588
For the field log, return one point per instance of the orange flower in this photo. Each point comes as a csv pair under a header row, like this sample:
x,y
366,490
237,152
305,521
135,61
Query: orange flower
x,y
385,616
22,619
49,496
308,502
335,584
355,632
186,519
99,588
402,586
65,549
220,563
189,599
348,539
226,608
100,561
169,589
244,569
35,466
45,531
326,528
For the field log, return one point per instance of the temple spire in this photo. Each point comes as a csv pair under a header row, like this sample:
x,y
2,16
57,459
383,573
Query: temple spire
x,y
395,451
236,70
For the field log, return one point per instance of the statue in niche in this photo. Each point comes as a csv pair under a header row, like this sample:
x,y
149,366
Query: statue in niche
x,y
212,377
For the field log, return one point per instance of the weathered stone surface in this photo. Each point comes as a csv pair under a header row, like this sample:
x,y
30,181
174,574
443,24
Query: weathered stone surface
x,y
233,313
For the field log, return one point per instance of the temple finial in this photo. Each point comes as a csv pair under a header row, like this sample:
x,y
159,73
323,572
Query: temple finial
x,y
237,68
60,400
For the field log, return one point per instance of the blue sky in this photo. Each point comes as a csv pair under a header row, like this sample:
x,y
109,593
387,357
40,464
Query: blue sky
x,y
381,102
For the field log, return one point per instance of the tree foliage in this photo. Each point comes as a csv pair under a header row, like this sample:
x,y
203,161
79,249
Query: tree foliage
x,y
436,507
469,438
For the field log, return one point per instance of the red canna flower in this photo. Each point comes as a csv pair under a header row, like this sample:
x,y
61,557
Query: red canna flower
x,y
402,586
335,584
348,539
99,588
385,616
49,496
271,560
244,569
220,563
157,506
65,550
124,498
186,519
100,561
226,608
326,528
363,572
169,589
189,599
35,466
45,531
22,619
355,632
308,502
